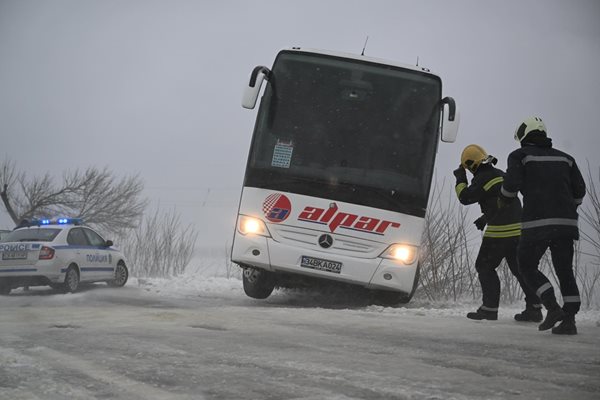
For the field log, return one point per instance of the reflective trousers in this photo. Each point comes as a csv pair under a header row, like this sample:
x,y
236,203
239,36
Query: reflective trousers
x,y
491,253
561,251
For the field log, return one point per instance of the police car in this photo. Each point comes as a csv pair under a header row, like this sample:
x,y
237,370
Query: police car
x,y
60,253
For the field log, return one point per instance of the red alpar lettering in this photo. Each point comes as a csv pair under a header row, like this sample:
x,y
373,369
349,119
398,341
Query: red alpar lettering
x,y
334,220
311,214
384,225
342,219
366,224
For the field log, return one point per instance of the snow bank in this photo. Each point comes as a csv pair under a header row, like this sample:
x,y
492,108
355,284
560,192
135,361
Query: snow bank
x,y
194,284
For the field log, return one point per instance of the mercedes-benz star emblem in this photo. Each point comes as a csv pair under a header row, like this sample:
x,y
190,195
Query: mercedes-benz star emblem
x,y
325,241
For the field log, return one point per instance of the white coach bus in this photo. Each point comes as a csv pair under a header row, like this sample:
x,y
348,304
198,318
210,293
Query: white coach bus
x,y
339,172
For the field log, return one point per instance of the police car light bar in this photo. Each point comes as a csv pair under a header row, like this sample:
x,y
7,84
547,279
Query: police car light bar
x,y
58,221
69,221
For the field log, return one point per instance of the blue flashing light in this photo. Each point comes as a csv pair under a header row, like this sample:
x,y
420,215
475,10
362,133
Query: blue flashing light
x,y
68,221
47,221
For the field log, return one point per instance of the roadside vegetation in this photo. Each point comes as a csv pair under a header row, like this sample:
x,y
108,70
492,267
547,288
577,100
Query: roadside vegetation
x,y
155,242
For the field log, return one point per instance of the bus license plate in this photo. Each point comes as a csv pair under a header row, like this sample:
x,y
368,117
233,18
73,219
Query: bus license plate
x,y
14,255
321,265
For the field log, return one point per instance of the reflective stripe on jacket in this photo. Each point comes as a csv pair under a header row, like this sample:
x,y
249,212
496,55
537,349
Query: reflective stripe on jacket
x,y
502,231
485,189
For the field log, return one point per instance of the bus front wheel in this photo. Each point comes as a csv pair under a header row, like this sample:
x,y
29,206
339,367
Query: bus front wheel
x,y
258,283
390,299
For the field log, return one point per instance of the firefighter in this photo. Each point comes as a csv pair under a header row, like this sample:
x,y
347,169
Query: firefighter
x,y
552,188
500,238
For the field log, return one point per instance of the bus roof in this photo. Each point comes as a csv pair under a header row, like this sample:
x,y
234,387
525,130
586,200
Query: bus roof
x,y
359,58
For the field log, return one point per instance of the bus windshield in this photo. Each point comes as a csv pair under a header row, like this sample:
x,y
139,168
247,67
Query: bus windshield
x,y
347,130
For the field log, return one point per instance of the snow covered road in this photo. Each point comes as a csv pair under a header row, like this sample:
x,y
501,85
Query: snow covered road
x,y
148,342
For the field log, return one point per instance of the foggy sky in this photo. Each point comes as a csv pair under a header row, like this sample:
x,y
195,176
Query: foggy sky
x,y
154,87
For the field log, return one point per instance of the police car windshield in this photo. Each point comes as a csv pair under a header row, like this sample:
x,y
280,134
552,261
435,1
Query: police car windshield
x,y
32,235
333,120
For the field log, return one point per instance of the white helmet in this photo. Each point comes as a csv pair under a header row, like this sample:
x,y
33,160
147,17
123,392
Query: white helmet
x,y
529,125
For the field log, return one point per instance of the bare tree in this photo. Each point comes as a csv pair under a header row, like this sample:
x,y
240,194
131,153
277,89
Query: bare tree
x,y
9,177
160,246
94,195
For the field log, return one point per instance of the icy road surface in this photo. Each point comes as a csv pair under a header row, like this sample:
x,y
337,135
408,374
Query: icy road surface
x,y
146,341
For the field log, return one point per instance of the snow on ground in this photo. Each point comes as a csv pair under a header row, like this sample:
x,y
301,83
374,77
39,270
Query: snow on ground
x,y
212,276
206,279
199,336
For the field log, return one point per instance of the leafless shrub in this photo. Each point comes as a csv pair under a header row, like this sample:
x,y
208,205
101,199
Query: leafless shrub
x,y
232,270
160,246
447,263
510,290
591,217
588,276
588,280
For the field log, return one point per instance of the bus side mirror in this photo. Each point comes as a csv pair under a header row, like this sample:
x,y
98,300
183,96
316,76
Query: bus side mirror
x,y
253,89
450,120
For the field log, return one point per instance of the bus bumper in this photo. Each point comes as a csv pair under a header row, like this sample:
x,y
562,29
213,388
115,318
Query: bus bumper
x,y
372,273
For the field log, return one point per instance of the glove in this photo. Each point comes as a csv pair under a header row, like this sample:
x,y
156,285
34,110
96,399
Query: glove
x,y
460,174
480,223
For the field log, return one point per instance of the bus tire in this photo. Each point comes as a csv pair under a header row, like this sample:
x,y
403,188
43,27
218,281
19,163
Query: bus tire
x,y
388,298
258,283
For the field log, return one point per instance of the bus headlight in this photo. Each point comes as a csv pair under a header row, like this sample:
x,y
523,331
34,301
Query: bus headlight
x,y
404,253
252,226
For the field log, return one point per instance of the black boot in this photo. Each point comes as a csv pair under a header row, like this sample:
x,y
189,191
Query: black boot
x,y
530,314
555,314
566,327
483,314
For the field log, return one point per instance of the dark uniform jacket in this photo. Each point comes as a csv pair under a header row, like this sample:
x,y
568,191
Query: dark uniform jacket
x,y
485,189
552,189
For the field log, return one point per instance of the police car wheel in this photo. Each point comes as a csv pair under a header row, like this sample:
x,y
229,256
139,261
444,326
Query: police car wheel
x,y
71,280
258,284
121,275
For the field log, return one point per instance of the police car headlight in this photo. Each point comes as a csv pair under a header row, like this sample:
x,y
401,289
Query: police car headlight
x,y
404,253
252,226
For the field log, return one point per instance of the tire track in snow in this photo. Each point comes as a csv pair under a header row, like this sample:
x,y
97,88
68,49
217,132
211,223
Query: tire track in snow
x,y
119,383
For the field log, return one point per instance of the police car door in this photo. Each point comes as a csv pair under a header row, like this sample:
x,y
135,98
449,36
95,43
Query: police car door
x,y
80,246
102,259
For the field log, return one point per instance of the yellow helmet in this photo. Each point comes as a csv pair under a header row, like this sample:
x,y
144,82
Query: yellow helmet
x,y
472,157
